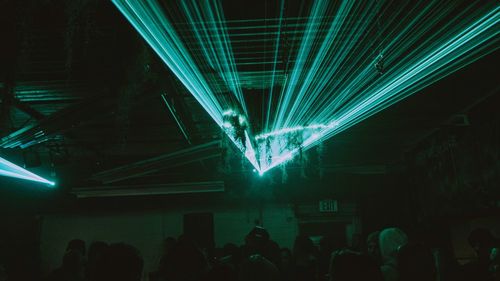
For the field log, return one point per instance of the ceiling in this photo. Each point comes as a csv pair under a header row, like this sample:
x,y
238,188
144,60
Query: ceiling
x,y
112,114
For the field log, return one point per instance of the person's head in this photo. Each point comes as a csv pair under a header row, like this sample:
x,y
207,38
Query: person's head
x,y
185,261
481,240
168,244
416,263
286,256
255,242
347,265
119,262
303,246
390,239
73,264
257,236
258,268
372,247
77,245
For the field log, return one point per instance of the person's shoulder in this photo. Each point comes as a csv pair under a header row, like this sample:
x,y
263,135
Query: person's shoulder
x,y
312,258
389,272
471,264
54,275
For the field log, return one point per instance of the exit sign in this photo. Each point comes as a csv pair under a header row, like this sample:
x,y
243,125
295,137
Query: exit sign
x,y
328,206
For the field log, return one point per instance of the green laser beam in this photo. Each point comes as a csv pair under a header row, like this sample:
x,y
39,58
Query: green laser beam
x,y
328,70
12,170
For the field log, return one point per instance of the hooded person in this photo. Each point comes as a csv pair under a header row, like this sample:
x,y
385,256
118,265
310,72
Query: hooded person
x,y
390,239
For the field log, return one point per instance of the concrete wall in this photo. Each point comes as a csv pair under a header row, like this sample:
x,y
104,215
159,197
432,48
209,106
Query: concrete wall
x,y
146,230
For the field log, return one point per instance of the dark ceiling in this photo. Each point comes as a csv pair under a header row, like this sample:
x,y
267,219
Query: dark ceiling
x,y
79,72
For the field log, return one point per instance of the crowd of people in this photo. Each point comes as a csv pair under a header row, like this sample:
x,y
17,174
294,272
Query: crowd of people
x,y
389,256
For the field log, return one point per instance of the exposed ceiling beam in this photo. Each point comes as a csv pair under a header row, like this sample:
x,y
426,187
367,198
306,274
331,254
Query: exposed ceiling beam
x,y
26,108
150,189
159,163
59,122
